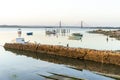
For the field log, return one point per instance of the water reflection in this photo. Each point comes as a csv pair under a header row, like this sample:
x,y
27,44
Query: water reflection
x,y
72,63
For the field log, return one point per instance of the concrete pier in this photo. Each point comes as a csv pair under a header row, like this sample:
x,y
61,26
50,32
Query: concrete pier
x,y
102,56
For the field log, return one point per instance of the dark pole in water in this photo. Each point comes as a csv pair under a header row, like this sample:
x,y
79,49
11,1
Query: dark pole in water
x,y
60,24
81,24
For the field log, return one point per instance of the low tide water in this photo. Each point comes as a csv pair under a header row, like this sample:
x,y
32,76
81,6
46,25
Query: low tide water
x,y
19,65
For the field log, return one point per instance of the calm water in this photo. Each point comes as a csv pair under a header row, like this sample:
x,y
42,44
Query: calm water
x,y
18,65
93,41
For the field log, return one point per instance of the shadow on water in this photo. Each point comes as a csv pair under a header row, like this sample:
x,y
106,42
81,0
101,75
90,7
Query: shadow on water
x,y
73,63
56,76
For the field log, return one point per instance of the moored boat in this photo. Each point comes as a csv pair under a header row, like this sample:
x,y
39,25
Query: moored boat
x,y
51,32
76,36
29,33
20,40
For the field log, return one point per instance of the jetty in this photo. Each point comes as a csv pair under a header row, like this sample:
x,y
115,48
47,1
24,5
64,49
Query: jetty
x,y
102,56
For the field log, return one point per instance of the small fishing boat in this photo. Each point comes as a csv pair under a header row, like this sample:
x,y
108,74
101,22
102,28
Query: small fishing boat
x,y
29,33
51,32
76,36
20,40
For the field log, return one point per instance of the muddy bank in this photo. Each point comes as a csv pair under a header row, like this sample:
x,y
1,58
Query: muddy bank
x,y
75,63
108,57
113,34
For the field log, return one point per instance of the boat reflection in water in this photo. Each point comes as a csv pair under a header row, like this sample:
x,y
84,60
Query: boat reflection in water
x,y
76,64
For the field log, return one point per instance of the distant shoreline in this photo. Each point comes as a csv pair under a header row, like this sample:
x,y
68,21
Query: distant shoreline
x,y
112,34
17,26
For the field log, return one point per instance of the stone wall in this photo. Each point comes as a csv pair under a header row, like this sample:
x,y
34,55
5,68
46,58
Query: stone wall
x,y
109,57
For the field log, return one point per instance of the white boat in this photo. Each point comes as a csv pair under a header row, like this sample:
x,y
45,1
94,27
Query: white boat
x,y
20,40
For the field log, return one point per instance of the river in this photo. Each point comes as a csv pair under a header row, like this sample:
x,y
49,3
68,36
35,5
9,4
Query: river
x,y
20,65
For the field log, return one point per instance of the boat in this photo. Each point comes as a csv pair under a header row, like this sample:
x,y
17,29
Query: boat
x,y
20,40
51,32
76,36
29,33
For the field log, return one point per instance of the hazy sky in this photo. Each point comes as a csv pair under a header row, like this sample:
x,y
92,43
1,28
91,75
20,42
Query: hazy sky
x,y
70,12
